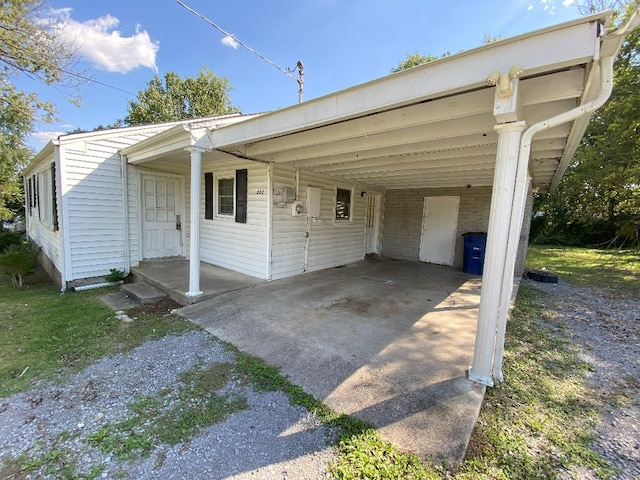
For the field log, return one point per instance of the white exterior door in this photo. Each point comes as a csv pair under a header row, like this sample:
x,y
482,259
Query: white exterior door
x,y
439,226
372,224
160,216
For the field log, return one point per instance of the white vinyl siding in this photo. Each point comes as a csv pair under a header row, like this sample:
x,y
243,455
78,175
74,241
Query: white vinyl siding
x,y
241,247
40,216
331,242
92,198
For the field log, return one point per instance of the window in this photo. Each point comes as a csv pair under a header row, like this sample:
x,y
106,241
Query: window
x,y
43,199
343,204
225,196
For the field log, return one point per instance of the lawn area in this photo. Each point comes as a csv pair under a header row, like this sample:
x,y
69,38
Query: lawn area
x,y
613,269
45,333
534,425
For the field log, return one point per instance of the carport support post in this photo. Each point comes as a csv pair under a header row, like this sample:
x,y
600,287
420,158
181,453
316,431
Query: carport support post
x,y
194,244
509,135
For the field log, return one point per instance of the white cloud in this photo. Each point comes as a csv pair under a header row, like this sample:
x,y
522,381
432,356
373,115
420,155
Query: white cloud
x,y
99,42
45,136
229,41
550,6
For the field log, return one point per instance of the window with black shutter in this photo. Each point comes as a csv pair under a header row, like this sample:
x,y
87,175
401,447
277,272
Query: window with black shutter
x,y
241,196
208,196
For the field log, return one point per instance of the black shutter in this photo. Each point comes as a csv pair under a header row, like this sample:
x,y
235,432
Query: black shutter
x,y
208,195
30,194
54,200
241,196
36,187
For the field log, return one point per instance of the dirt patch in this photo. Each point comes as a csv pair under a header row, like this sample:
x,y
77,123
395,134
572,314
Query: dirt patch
x,y
164,306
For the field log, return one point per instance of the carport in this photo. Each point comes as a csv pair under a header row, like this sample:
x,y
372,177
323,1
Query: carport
x,y
508,116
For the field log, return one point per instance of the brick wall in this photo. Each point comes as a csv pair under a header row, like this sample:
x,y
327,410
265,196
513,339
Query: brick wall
x,y
402,223
403,218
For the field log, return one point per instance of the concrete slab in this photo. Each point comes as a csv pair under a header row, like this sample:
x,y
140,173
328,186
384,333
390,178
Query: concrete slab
x,y
143,292
119,301
172,277
387,341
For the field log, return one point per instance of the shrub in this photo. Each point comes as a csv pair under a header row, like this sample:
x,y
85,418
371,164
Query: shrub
x,y
115,275
19,260
9,238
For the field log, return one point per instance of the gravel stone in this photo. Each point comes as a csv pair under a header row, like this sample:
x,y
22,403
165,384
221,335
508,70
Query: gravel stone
x,y
274,440
270,440
605,327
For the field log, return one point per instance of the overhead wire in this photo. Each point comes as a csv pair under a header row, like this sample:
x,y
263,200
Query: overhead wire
x,y
286,71
89,79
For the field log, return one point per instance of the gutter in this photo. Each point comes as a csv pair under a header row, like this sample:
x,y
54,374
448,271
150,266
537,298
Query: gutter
x,y
125,215
523,178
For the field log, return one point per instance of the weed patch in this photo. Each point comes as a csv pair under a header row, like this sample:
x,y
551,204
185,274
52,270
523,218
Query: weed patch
x,y
537,423
172,417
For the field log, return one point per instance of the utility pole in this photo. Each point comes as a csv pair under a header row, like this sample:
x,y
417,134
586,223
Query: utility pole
x,y
300,80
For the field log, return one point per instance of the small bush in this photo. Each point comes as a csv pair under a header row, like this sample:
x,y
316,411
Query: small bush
x,y
9,238
19,260
115,275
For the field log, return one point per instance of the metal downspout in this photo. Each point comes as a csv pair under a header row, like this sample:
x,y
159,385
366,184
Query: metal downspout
x,y
520,198
125,215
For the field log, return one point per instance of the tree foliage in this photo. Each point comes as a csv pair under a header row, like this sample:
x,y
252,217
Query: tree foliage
x,y
175,98
29,45
598,199
414,59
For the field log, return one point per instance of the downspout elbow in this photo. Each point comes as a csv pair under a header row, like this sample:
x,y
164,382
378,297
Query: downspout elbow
x,y
606,87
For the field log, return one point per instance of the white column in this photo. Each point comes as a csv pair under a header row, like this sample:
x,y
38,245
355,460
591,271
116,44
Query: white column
x,y
504,178
194,245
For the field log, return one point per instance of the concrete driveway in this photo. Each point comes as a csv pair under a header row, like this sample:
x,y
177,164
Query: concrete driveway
x,y
386,341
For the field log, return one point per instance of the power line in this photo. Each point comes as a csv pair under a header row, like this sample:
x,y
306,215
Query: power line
x,y
287,71
89,79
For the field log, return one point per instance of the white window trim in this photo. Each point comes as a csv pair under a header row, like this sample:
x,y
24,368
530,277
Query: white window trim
x,y
44,208
342,221
217,205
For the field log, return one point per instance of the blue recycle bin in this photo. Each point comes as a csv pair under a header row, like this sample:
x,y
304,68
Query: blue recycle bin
x,y
475,244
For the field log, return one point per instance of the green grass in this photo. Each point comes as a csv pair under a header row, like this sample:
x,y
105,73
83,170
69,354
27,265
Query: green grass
x,y
45,333
616,270
538,421
534,425
172,417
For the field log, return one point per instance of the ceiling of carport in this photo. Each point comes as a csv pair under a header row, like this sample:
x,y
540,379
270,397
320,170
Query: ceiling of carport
x,y
442,142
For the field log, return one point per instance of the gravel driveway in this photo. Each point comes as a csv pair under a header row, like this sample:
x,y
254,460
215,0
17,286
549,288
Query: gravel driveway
x,y
606,329
269,440
272,439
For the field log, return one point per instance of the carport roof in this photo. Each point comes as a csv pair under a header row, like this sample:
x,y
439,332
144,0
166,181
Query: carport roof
x,y
432,125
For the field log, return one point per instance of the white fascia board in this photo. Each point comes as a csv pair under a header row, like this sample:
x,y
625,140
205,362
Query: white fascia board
x,y
179,137
156,145
538,52
44,154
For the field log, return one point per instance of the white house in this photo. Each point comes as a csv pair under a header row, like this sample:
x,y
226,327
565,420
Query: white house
x,y
401,166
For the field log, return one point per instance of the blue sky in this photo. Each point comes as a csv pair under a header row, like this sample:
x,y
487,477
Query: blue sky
x,y
342,43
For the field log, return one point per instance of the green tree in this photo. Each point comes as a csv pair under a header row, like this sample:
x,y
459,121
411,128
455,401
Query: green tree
x,y
29,45
413,60
177,98
598,199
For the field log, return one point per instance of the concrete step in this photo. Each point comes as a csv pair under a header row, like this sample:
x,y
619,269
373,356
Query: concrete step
x,y
142,292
